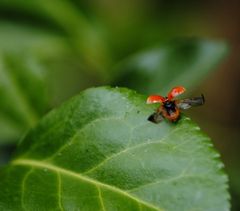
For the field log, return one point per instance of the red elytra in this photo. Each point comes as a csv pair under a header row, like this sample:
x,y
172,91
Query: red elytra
x,y
172,94
175,92
155,99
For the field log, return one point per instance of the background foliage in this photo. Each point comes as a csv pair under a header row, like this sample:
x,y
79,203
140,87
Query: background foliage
x,y
50,51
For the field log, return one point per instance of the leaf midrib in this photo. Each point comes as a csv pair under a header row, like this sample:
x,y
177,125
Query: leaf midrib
x,y
44,165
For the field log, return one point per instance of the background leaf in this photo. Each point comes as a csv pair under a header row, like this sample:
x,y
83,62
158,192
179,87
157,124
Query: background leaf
x,y
25,57
98,151
179,62
32,63
79,49
23,94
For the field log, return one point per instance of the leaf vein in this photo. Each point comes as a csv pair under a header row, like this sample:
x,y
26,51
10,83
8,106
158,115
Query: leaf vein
x,y
40,164
59,191
100,198
69,142
129,149
23,187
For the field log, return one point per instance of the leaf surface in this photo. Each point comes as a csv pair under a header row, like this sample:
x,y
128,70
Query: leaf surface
x,y
99,152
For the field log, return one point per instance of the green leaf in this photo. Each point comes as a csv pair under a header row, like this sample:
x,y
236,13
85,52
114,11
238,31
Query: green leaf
x,y
25,54
23,94
83,35
21,38
34,65
99,152
180,62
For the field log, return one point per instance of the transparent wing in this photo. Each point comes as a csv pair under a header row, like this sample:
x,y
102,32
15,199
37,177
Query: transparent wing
x,y
188,103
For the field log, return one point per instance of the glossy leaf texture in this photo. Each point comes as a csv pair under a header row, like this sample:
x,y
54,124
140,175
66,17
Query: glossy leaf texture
x,y
98,151
182,61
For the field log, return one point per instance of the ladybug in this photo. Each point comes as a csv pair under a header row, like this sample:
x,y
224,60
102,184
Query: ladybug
x,y
170,108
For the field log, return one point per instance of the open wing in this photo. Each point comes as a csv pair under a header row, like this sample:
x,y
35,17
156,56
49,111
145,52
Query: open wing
x,y
188,103
155,99
175,92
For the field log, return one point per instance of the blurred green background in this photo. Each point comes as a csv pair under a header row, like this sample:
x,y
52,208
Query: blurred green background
x,y
51,50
